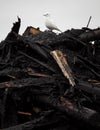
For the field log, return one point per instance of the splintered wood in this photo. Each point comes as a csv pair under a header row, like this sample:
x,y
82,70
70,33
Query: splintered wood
x,y
63,64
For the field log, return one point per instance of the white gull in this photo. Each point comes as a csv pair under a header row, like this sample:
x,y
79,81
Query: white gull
x,y
49,24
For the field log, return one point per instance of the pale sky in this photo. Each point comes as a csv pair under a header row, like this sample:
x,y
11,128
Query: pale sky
x,y
66,14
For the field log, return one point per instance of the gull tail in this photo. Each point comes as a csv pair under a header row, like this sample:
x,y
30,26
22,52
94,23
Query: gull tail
x,y
58,30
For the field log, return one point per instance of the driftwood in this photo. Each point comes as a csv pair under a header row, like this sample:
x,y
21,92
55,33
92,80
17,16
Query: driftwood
x,y
90,35
37,70
85,86
68,109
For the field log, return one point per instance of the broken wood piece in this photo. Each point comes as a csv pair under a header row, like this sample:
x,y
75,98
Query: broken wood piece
x,y
89,88
84,114
90,35
63,64
89,21
16,26
32,72
24,113
31,30
94,81
27,82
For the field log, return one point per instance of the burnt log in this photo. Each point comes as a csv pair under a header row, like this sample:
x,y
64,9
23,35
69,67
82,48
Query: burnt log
x,y
90,35
89,88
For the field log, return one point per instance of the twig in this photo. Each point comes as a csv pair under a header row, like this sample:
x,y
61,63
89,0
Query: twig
x,y
89,21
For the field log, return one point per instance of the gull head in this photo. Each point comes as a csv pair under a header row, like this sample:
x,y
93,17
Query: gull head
x,y
46,15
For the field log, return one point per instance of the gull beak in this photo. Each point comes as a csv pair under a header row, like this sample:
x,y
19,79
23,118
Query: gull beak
x,y
44,14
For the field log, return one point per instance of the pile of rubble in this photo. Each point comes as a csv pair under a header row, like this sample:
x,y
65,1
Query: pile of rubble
x,y
50,81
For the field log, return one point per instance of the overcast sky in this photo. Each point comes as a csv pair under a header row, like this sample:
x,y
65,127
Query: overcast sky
x,y
66,14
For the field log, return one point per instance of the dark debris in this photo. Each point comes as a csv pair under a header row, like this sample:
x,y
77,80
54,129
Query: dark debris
x,y
34,94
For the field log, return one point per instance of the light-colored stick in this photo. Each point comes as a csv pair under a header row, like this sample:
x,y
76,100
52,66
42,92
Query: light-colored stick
x,y
62,62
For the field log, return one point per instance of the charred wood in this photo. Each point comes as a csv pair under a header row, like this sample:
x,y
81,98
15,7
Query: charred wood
x,y
16,26
90,35
36,71
27,82
93,68
89,88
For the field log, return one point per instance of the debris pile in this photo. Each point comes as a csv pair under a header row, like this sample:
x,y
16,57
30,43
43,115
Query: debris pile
x,y
50,81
